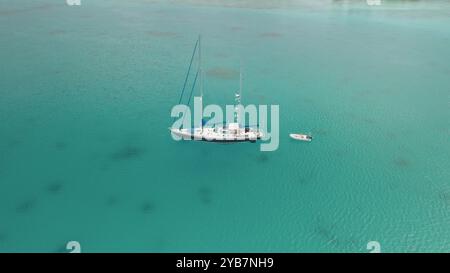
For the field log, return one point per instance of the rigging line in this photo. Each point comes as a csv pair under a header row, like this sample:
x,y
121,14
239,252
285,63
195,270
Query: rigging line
x,y
190,96
189,69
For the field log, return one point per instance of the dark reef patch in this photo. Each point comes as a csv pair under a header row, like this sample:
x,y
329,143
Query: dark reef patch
x,y
303,180
402,162
60,145
307,177
26,206
128,152
147,207
325,232
205,194
263,157
223,73
391,135
112,200
54,187
444,196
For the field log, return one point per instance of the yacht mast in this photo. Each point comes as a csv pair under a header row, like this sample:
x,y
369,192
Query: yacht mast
x,y
240,83
200,71
237,97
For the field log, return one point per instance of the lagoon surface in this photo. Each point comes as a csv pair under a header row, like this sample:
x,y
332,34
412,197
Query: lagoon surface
x,y
85,99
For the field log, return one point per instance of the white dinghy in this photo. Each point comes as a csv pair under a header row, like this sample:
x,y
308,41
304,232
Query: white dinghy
x,y
301,137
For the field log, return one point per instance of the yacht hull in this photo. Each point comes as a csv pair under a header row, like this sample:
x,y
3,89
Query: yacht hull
x,y
210,136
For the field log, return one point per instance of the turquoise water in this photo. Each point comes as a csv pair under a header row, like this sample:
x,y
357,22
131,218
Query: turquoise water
x,y
85,100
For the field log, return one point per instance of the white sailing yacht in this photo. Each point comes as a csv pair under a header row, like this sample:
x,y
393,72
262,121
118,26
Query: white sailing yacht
x,y
231,132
